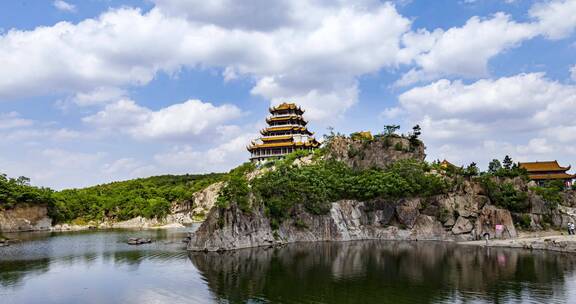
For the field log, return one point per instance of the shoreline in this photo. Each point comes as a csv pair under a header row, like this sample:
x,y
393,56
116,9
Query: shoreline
x,y
556,242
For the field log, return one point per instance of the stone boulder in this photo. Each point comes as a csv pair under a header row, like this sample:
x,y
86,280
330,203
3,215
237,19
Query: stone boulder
x,y
489,217
538,205
466,205
407,215
429,228
462,225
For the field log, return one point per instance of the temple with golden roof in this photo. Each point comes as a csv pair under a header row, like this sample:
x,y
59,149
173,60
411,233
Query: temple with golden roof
x,y
286,132
540,172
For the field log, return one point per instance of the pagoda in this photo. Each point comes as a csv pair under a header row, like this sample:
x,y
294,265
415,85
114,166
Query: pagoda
x,y
286,132
540,172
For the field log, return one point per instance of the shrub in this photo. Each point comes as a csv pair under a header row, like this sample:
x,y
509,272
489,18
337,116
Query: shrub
x,y
523,221
398,146
504,195
550,192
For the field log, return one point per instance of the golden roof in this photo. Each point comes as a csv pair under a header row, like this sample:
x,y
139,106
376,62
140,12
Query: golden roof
x,y
286,106
275,138
283,118
446,164
543,166
285,128
552,176
284,144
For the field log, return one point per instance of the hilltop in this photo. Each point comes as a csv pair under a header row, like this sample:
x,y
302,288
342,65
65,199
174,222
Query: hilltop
x,y
380,187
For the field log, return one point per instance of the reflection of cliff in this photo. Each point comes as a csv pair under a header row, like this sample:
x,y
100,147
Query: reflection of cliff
x,y
376,272
13,272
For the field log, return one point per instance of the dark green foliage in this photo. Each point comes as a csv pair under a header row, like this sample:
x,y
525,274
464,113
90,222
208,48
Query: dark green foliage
x,y
391,129
15,191
504,195
508,169
414,136
398,146
523,220
147,197
236,190
471,170
494,166
507,162
550,192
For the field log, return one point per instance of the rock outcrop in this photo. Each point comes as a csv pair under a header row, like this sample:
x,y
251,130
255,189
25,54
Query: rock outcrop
x,y
348,220
377,153
25,218
194,210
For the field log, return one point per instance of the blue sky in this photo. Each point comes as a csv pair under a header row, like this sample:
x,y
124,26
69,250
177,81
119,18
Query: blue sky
x,y
101,90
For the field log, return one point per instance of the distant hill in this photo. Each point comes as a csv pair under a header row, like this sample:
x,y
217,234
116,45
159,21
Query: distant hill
x,y
147,197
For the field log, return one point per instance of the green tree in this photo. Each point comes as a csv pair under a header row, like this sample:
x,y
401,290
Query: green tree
x,y
494,166
507,162
391,129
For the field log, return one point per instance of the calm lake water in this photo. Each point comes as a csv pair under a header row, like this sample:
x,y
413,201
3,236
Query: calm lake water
x,y
98,267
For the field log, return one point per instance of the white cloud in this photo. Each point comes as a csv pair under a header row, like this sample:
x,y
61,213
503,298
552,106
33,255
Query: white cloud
x,y
463,50
223,157
318,50
12,120
188,119
556,18
573,72
528,116
98,96
64,6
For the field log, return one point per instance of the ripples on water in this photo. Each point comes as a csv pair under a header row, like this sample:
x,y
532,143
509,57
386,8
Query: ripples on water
x,y
98,267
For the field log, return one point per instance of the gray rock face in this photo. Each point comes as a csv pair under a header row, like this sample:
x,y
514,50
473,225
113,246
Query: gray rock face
x,y
379,153
462,225
347,220
490,216
407,215
25,218
187,212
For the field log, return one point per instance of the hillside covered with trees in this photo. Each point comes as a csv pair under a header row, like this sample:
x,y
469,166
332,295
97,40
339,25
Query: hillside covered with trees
x,y
147,197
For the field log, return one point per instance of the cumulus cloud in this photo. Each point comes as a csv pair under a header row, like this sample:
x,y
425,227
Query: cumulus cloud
x,y
297,49
573,72
556,18
188,119
221,158
64,6
526,115
465,50
98,96
319,50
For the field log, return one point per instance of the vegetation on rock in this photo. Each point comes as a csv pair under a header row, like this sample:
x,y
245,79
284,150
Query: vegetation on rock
x,y
15,191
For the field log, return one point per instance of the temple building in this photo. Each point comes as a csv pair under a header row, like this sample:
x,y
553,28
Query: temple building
x,y
286,132
540,172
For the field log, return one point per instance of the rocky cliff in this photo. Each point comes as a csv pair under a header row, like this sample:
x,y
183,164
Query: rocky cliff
x,y
25,218
377,153
465,215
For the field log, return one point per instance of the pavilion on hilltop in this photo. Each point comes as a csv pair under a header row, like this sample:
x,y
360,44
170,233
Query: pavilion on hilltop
x,y
540,172
286,132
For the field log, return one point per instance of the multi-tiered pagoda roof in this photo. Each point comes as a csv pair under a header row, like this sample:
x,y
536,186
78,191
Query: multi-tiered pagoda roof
x,y
286,132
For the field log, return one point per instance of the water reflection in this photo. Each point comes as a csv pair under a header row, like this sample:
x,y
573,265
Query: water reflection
x,y
386,272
